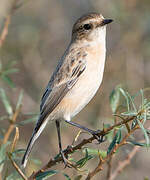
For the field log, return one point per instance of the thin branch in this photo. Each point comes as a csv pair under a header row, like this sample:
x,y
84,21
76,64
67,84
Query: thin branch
x,y
9,154
68,151
8,133
116,147
14,143
5,30
4,33
0,176
109,168
12,125
123,164
17,167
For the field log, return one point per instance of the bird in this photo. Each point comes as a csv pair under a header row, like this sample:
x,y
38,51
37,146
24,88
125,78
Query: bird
x,y
76,79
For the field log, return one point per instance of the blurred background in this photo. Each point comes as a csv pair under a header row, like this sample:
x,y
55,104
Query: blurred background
x,y
38,35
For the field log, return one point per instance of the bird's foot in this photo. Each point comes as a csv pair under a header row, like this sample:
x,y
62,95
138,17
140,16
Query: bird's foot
x,y
99,138
66,162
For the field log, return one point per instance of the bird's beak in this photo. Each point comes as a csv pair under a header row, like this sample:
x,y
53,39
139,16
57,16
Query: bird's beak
x,y
106,21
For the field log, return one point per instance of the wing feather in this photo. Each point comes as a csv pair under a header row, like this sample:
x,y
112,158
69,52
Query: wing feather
x,y
63,79
59,87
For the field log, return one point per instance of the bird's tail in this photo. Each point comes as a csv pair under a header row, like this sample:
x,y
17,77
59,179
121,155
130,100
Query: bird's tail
x,y
35,135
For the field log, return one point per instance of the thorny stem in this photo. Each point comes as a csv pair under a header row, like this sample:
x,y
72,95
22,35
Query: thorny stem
x,y
53,162
17,168
116,147
123,164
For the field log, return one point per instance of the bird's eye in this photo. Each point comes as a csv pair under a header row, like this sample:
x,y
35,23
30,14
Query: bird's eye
x,y
87,26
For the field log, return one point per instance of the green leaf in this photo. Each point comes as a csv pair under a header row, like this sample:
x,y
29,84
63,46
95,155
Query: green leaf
x,y
129,113
95,152
114,99
145,132
17,151
144,117
132,101
46,174
119,136
17,154
138,143
109,136
66,176
142,97
126,97
19,100
134,123
8,81
57,156
6,102
115,141
146,104
84,160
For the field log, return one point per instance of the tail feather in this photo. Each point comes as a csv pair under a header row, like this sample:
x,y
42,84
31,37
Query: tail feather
x,y
34,137
28,150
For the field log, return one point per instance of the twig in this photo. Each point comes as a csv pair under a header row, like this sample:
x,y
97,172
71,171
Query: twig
x,y
17,168
8,133
109,168
116,147
0,176
5,30
68,151
123,164
12,125
7,22
16,137
15,140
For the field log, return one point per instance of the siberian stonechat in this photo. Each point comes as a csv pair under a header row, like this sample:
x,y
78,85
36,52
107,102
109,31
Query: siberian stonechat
x,y
76,78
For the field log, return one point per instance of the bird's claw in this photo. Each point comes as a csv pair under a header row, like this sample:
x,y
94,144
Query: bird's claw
x,y
66,162
100,138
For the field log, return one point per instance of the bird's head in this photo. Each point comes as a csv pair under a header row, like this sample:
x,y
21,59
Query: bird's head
x,y
90,27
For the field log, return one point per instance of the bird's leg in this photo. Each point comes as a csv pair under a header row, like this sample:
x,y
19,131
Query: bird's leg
x,y
66,163
100,139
